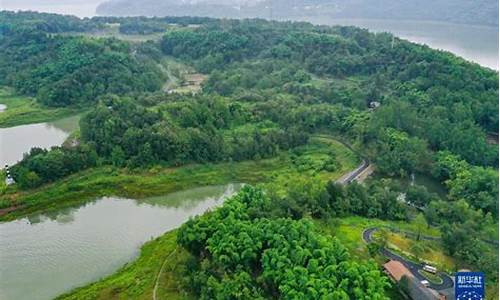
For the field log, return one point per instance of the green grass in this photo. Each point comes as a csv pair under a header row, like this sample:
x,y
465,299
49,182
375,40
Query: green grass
x,y
181,78
136,280
113,31
110,181
432,278
434,252
349,231
24,110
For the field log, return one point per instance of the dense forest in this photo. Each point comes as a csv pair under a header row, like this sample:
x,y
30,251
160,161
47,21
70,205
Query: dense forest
x,y
484,12
270,86
64,70
237,254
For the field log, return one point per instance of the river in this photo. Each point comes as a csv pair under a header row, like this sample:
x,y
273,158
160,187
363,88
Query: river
x,y
53,253
14,141
475,43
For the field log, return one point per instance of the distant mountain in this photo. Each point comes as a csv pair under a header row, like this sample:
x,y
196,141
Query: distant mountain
x,y
482,12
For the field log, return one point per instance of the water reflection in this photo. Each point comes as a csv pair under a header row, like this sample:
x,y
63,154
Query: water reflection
x,y
60,216
187,200
57,251
15,141
431,184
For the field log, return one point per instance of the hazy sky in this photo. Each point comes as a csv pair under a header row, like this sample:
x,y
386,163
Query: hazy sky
x,y
81,8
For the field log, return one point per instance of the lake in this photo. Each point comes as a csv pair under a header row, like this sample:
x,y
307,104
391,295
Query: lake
x,y
54,253
14,141
475,43
431,184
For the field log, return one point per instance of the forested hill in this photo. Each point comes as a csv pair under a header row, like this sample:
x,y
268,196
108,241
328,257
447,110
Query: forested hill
x,y
69,70
484,12
269,89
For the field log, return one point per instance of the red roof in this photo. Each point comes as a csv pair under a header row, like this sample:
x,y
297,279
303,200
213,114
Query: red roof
x,y
397,270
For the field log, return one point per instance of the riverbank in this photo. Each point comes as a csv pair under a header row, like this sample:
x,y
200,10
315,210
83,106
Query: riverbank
x,y
21,110
475,43
92,240
137,279
21,139
303,161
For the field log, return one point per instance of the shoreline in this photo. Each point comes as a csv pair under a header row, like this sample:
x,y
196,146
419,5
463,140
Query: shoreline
x,y
159,180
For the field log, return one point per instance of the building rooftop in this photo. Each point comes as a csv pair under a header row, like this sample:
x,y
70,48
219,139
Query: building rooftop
x,y
397,270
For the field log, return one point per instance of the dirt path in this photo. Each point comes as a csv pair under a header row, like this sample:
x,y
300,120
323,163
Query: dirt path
x,y
7,210
157,280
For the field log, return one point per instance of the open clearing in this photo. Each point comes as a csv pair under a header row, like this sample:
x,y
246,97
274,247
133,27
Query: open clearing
x,y
25,110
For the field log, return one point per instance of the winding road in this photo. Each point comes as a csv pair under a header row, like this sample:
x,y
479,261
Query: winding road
x,y
367,233
354,174
412,266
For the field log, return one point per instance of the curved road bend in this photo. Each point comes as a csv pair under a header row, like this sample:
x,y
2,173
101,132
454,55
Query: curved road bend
x,y
412,266
351,176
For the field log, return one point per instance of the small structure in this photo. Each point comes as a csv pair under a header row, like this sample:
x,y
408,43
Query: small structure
x,y
396,270
416,290
410,285
9,180
374,105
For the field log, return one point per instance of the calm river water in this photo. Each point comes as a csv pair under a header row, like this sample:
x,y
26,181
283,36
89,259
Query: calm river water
x,y
14,141
45,255
53,253
475,43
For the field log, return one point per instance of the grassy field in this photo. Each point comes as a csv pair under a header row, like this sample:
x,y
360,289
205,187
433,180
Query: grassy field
x,y
113,31
110,181
350,229
136,280
24,110
181,79
433,278
434,253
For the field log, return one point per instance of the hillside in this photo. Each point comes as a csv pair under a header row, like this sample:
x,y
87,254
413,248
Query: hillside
x,y
287,108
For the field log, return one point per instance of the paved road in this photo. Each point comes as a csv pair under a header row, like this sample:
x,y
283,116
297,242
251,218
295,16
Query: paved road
x,y
351,176
412,266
